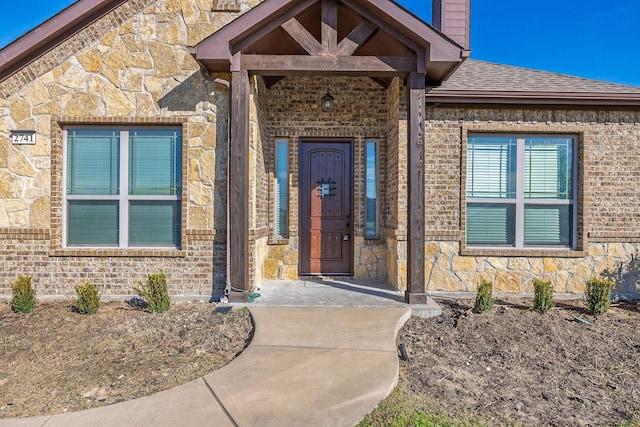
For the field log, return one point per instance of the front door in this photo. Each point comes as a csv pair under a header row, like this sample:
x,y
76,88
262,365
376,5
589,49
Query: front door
x,y
326,193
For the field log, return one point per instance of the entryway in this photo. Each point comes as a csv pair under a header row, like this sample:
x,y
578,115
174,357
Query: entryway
x,y
326,206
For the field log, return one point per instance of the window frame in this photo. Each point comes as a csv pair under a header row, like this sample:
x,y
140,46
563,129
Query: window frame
x,y
519,202
376,143
122,198
281,234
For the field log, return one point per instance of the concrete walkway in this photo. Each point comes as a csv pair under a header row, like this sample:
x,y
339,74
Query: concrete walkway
x,y
306,366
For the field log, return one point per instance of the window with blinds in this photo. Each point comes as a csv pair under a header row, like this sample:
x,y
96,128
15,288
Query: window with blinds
x,y
281,226
123,187
520,191
371,190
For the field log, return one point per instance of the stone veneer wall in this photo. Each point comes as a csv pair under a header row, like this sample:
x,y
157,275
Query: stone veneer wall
x,y
447,271
609,203
129,67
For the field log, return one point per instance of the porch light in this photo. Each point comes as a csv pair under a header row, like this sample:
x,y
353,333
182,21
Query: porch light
x,y
327,102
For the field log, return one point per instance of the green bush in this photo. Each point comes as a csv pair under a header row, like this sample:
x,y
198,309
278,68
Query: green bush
x,y
155,292
598,295
88,301
543,299
24,295
484,298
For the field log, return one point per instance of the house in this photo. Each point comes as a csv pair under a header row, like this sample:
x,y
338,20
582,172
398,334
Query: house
x,y
289,138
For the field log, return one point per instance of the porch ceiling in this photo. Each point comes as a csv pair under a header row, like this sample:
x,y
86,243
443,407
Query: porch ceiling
x,y
375,38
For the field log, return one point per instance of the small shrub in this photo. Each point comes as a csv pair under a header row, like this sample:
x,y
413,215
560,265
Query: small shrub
x,y
155,292
598,295
24,296
88,301
484,298
543,299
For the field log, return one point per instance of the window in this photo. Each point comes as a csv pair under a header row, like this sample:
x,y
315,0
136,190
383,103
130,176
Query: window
x,y
371,191
123,187
282,188
521,191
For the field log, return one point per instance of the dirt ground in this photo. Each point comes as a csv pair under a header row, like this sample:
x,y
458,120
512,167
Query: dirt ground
x,y
516,365
509,366
54,360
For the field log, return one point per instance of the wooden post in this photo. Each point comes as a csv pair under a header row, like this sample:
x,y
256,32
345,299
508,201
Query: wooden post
x,y
329,26
238,187
415,293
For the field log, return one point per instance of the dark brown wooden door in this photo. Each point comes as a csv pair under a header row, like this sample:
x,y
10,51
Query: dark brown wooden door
x,y
326,193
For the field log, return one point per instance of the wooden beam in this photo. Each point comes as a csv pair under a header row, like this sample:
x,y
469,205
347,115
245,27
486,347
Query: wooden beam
x,y
302,37
416,291
243,41
238,186
329,26
357,37
373,66
386,26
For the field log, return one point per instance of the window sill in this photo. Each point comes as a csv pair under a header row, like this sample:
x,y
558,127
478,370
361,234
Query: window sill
x,y
278,241
375,242
554,253
119,253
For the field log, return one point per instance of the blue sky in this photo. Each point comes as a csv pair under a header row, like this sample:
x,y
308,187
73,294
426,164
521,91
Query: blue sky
x,y
588,38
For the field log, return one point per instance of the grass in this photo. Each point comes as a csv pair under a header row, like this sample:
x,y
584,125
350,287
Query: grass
x,y
401,409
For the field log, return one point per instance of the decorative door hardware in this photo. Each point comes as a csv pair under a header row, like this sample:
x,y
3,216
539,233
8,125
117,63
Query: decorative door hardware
x,y
325,188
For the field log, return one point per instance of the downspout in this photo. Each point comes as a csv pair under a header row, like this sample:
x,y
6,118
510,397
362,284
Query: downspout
x,y
226,83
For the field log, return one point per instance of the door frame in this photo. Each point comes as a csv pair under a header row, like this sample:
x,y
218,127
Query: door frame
x,y
302,169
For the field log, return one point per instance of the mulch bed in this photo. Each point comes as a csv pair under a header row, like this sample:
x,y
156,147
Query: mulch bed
x,y
55,360
514,364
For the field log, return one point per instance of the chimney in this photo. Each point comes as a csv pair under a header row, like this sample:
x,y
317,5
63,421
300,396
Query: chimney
x,y
452,17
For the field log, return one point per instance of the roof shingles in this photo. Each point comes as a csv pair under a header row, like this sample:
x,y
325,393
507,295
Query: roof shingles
x,y
481,76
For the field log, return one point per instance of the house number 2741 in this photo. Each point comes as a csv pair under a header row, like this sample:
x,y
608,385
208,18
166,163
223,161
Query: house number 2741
x,y
27,137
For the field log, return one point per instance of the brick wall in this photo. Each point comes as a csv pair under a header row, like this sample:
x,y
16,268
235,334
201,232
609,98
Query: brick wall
x,y
259,153
608,201
361,111
609,162
188,272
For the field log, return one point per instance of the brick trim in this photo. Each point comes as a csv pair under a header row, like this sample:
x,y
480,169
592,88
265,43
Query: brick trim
x,y
119,253
57,124
532,253
390,233
375,242
25,233
606,237
115,121
583,186
273,241
219,236
258,233
456,236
